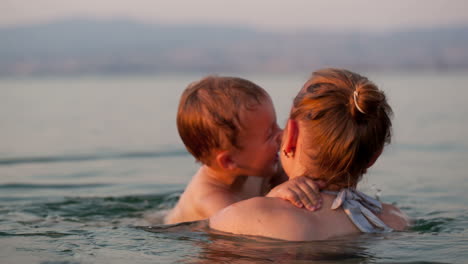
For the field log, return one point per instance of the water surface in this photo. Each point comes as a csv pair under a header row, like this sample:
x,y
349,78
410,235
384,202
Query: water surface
x,y
87,163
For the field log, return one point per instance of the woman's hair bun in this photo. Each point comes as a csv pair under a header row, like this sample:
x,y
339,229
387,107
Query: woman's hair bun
x,y
366,100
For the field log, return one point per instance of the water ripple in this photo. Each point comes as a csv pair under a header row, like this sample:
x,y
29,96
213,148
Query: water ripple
x,y
79,209
50,186
92,157
52,234
435,225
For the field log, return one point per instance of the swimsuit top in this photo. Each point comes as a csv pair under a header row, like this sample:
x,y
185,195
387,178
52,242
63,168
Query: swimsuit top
x,y
360,208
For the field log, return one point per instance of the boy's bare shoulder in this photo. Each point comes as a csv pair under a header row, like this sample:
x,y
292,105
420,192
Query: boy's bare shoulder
x,y
394,217
213,201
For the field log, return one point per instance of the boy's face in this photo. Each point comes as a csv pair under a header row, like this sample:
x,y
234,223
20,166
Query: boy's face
x,y
260,141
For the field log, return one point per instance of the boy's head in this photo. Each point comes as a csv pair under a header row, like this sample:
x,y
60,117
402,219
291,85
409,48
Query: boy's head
x,y
228,113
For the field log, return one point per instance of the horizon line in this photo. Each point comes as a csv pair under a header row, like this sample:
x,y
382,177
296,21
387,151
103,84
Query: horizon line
x,y
302,29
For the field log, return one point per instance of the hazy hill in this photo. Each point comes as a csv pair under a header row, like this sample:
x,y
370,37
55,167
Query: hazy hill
x,y
87,46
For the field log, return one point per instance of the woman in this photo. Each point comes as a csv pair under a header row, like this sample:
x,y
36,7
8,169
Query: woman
x,y
338,126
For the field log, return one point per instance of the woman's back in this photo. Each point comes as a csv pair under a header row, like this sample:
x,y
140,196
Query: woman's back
x,y
275,218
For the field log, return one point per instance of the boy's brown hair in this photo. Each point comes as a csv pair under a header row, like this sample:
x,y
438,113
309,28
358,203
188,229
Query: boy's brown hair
x,y
347,120
208,114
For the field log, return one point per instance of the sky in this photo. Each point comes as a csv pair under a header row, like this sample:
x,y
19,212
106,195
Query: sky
x,y
273,15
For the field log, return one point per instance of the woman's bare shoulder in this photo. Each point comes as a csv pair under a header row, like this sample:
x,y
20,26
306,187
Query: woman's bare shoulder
x,y
241,217
394,217
262,216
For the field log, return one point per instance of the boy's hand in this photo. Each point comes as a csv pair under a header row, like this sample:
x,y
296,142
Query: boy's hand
x,y
301,192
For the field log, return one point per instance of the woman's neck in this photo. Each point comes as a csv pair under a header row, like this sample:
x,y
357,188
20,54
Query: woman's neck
x,y
328,186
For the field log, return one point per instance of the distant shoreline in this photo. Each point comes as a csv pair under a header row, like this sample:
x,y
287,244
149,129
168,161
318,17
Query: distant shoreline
x,y
81,47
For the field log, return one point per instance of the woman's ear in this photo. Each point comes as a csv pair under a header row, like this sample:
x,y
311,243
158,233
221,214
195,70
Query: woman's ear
x,y
225,161
290,136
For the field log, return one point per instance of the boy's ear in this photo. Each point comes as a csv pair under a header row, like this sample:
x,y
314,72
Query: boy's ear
x,y
374,158
225,161
290,136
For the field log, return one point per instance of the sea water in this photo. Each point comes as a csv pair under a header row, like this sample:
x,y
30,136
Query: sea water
x,y
90,165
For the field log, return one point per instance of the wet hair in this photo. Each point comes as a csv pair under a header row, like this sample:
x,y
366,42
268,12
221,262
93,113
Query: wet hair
x,y
346,121
208,115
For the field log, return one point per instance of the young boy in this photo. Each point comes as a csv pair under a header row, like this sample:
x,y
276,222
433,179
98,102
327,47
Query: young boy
x,y
229,125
